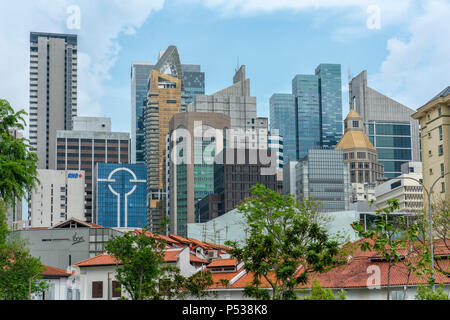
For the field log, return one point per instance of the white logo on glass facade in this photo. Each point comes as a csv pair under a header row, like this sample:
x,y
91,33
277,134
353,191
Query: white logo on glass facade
x,y
117,194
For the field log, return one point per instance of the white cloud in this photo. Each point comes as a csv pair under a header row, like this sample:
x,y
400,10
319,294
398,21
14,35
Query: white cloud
x,y
418,68
102,21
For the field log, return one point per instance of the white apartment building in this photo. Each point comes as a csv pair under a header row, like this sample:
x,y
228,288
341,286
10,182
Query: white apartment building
x,y
407,188
59,196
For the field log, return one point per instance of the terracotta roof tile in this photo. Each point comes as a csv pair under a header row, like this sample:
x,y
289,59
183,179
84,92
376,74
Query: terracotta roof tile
x,y
223,263
102,259
53,271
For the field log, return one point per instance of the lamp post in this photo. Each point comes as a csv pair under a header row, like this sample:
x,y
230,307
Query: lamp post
x,y
429,214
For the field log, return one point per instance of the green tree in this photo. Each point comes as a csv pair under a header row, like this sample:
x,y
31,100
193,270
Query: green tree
x,y
319,293
386,236
285,242
18,173
425,292
197,285
20,273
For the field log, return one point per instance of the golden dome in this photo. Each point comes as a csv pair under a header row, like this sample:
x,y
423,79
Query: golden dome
x,y
354,139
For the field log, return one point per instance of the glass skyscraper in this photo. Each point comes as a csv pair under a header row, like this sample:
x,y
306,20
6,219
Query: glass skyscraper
x,y
282,109
305,88
324,176
140,72
121,200
330,101
193,84
310,117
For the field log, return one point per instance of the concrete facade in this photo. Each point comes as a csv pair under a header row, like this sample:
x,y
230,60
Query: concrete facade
x,y
81,150
434,119
59,196
53,91
379,110
194,179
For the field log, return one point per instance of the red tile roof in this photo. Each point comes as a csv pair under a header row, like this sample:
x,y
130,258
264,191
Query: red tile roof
x,y
223,263
53,271
102,259
356,273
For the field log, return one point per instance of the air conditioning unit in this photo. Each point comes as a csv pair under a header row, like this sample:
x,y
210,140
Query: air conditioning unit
x,y
213,254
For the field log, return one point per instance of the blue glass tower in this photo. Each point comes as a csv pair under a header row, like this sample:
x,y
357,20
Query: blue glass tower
x,y
193,81
305,88
140,72
330,102
282,109
120,195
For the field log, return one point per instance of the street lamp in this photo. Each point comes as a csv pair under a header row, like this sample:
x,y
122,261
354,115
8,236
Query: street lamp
x,y
429,213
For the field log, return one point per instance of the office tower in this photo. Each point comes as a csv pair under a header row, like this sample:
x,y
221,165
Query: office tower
x,y
323,175
53,91
59,196
233,178
275,143
14,212
282,118
434,119
311,116
359,153
200,138
165,86
330,102
234,101
120,195
140,72
305,88
90,142
388,124
194,84
289,178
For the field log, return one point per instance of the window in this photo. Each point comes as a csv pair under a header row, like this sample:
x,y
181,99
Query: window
x,y
442,170
398,295
439,111
97,289
443,187
440,133
441,150
431,172
116,290
355,124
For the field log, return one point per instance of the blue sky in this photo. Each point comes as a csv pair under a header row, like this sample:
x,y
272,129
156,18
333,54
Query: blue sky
x,y
407,57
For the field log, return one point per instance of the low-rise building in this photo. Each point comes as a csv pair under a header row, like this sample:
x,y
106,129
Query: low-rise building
x,y
60,195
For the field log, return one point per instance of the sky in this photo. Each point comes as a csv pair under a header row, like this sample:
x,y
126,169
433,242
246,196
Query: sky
x,y
402,44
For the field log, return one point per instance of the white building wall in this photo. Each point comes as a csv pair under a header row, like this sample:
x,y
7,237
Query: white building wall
x,y
59,196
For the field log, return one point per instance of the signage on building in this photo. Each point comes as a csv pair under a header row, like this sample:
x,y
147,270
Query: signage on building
x,y
74,175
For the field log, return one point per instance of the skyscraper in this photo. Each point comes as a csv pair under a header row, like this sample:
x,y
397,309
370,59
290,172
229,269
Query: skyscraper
x,y
91,141
323,175
387,123
194,84
310,117
330,102
165,86
282,109
140,72
53,91
193,179
305,88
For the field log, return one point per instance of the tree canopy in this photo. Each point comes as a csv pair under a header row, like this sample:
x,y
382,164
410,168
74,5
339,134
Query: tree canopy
x,y
285,243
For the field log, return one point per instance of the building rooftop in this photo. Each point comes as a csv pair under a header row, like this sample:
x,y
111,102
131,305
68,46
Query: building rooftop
x,y
354,140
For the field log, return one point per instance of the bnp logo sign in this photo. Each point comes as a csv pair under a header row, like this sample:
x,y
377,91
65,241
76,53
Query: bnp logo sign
x,y
74,175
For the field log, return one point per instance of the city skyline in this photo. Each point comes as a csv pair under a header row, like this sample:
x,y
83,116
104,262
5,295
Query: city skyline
x,y
236,33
